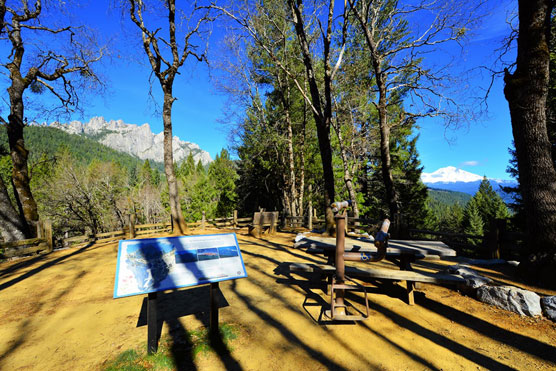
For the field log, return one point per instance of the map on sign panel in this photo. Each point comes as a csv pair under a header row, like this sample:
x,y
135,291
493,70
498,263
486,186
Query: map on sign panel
x,y
157,264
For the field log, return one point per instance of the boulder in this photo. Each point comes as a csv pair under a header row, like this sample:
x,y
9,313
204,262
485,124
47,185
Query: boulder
x,y
520,301
549,307
472,278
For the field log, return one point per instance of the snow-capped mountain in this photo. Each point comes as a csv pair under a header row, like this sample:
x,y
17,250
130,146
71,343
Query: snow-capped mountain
x,y
450,174
453,179
133,139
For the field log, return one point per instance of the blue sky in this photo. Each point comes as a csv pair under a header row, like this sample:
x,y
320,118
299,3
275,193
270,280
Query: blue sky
x,y
480,147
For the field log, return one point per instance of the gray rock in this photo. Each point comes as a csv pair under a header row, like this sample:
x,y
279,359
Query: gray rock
x,y
549,307
135,140
472,278
520,301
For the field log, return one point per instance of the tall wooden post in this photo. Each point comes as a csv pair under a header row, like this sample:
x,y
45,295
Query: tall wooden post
x,y
40,229
213,330
235,219
494,238
310,217
131,225
203,220
339,262
47,234
152,325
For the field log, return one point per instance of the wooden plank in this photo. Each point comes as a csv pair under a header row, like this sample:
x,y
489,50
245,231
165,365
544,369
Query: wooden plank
x,y
31,241
12,252
153,225
381,273
389,254
109,234
425,248
76,238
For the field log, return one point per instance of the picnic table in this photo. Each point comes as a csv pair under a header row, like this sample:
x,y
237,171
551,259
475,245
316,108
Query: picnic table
x,y
401,252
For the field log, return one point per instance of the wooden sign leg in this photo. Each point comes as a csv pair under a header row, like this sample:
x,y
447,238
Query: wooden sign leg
x,y
214,310
152,326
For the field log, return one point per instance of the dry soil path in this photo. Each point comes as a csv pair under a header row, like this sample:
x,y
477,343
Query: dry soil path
x,y
57,313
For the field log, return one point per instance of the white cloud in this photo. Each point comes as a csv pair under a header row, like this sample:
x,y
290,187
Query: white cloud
x,y
470,163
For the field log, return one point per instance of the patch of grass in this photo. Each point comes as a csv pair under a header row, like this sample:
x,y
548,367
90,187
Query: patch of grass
x,y
197,342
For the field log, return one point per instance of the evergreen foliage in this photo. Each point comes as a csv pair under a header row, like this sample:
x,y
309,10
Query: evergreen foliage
x,y
41,140
473,223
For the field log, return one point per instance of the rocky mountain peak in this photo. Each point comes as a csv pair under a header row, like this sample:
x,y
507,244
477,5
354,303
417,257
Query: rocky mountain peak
x,y
133,139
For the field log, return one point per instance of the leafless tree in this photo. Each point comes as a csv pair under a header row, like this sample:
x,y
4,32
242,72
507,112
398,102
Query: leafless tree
x,y
318,96
398,36
57,60
167,54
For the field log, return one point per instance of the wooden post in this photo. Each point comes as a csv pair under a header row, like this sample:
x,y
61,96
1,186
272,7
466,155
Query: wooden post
x,y
273,220
40,229
310,216
47,234
494,238
152,326
203,220
235,218
213,330
171,224
131,225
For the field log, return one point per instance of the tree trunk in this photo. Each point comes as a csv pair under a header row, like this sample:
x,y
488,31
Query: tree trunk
x,y
347,174
391,194
11,226
386,161
291,163
19,155
175,207
526,91
302,164
322,115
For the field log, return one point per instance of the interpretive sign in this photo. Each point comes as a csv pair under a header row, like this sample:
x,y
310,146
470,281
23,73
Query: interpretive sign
x,y
157,264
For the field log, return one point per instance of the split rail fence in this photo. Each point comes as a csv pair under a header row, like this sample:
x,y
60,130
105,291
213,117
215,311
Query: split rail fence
x,y
496,243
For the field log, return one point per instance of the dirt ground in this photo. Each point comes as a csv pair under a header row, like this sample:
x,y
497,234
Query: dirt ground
x,y
57,313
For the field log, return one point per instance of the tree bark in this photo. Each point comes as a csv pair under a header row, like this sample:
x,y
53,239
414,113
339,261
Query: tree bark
x,y
322,115
526,91
19,155
348,180
11,226
175,206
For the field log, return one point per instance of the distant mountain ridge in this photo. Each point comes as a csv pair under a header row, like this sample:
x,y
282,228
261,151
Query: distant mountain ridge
x,y
451,178
136,140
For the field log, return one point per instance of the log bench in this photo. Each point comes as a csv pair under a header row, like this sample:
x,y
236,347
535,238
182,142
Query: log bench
x,y
383,274
265,221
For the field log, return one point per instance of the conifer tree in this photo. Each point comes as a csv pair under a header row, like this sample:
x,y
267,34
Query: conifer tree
x,y
473,223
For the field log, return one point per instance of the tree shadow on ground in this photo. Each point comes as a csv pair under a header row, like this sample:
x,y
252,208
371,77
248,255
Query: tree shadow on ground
x,y
441,340
32,261
24,328
286,333
517,341
307,290
171,306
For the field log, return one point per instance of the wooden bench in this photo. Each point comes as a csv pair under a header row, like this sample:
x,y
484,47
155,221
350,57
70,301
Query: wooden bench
x,y
383,274
265,221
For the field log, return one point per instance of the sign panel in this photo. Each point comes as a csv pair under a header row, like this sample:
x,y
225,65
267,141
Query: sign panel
x,y
157,264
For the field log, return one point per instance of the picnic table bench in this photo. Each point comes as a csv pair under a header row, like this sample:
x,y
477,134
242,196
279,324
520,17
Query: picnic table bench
x,y
402,253
263,221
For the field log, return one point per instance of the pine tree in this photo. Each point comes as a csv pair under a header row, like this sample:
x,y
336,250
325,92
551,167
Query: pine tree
x,y
489,203
473,223
223,175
